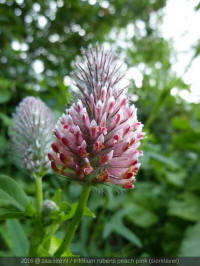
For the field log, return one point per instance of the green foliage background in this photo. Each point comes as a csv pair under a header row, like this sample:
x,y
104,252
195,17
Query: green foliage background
x,y
161,217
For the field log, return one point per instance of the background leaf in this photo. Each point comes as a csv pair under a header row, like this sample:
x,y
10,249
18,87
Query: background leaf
x,y
186,207
18,240
116,225
190,244
13,200
141,216
11,191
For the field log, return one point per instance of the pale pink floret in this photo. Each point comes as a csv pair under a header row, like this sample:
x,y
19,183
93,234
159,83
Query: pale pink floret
x,y
99,136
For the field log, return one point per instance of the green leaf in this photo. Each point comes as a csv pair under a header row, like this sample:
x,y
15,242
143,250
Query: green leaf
x,y
5,95
42,252
9,211
197,7
6,214
167,161
5,119
176,178
181,123
12,192
30,210
116,225
19,242
55,243
57,197
71,211
187,207
7,200
190,246
88,212
140,215
13,200
146,195
128,234
188,140
65,206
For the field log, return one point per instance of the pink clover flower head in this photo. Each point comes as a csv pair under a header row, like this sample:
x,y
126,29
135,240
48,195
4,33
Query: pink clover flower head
x,y
31,134
98,137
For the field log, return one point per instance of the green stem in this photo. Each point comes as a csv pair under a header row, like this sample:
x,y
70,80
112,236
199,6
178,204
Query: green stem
x,y
74,222
37,233
39,196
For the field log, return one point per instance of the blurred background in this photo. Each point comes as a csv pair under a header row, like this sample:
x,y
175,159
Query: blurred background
x,y
159,41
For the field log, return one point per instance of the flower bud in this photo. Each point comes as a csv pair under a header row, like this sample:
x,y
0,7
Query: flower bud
x,y
49,206
31,134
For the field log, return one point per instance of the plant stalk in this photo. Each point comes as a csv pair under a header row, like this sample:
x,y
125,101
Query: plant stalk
x,y
37,229
74,222
39,195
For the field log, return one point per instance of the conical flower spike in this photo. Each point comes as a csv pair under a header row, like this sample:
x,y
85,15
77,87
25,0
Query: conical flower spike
x,y
99,136
31,134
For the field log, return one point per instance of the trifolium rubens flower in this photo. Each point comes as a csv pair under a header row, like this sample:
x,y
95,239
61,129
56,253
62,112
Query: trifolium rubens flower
x,y
31,134
99,135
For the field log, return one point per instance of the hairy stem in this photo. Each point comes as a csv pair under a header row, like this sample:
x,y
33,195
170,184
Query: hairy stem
x,y
39,195
74,222
37,234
